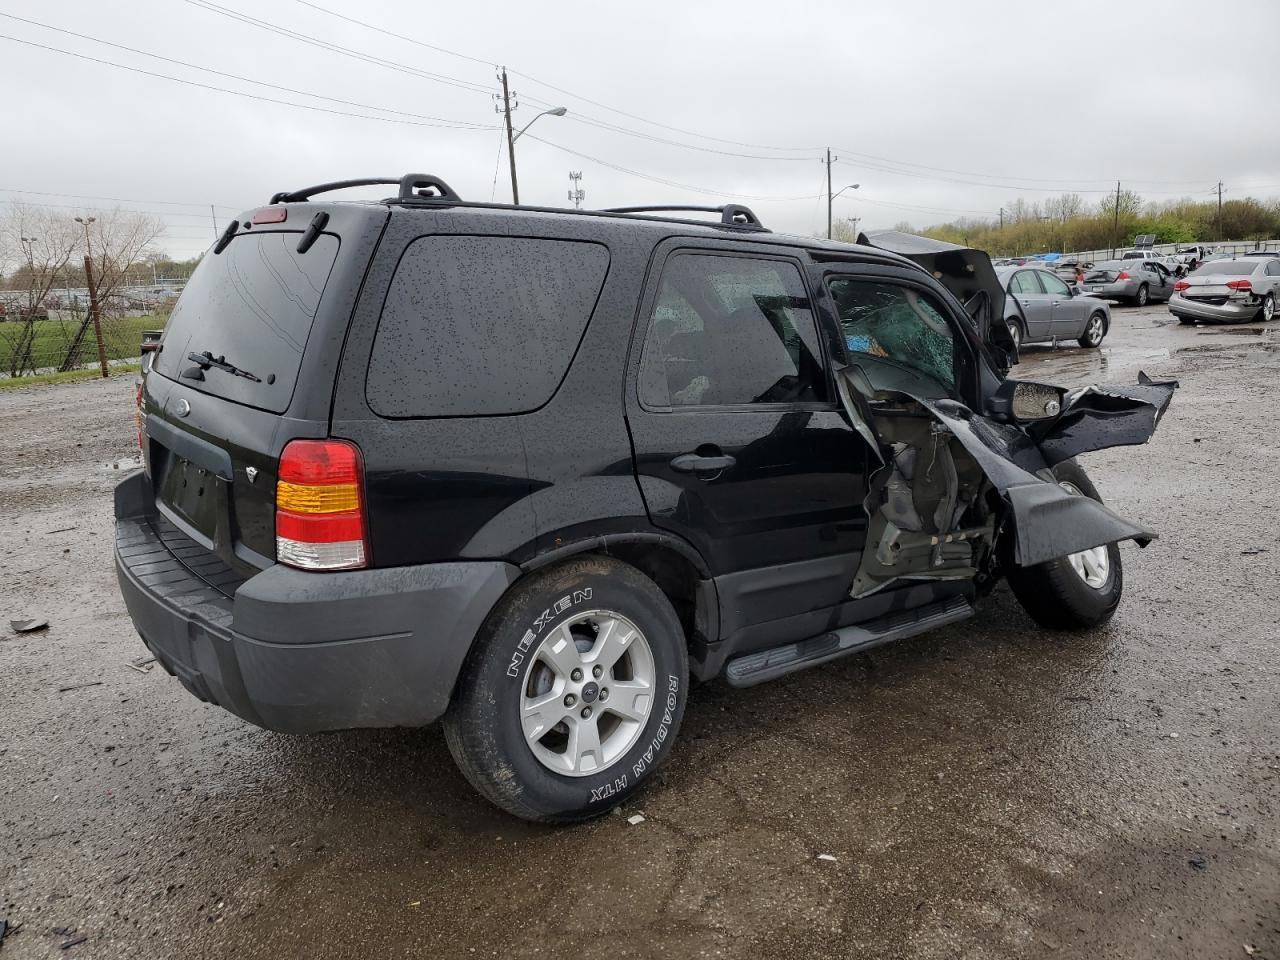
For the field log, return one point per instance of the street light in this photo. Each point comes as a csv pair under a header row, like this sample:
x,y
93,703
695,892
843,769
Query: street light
x,y
511,145
831,199
85,221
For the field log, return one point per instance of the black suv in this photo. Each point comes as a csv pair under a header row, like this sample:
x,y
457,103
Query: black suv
x,y
533,471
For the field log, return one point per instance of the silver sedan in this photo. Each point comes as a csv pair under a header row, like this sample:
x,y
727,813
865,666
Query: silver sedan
x,y
1133,281
1228,291
1041,306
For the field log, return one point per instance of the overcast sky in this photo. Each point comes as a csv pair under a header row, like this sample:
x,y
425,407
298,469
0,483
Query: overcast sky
x,y
937,109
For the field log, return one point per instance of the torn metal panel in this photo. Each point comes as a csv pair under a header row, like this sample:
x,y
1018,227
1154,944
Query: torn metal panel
x,y
1102,416
1048,521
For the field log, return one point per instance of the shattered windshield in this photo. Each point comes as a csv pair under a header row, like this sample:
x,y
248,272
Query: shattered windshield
x,y
898,325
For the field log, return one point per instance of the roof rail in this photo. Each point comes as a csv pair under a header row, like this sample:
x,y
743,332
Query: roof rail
x,y
731,214
421,186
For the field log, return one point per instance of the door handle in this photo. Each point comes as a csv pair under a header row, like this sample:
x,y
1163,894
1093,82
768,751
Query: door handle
x,y
693,463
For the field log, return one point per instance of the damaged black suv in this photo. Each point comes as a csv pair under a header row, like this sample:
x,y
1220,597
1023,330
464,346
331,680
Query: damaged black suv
x,y
534,471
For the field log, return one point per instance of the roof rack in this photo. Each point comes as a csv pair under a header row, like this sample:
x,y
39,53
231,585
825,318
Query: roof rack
x,y
414,186
731,214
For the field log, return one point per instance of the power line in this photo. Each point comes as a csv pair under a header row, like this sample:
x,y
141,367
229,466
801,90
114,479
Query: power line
x,y
241,93
670,183
235,76
89,196
339,48
550,86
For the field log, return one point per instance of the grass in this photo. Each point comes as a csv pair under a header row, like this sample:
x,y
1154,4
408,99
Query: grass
x,y
17,383
121,336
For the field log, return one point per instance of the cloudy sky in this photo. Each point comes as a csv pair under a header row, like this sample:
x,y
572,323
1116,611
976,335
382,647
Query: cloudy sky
x,y
938,110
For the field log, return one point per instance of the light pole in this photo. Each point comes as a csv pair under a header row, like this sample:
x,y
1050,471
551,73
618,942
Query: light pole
x,y
95,313
831,197
511,145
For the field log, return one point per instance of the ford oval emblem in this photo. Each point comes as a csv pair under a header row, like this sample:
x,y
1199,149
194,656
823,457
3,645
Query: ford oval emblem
x,y
182,408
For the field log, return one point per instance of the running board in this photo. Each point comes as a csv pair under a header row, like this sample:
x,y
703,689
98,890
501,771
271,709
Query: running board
x,y
753,668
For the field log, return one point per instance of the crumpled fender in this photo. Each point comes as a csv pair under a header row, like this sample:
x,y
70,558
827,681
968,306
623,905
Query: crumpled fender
x,y
1101,416
1049,522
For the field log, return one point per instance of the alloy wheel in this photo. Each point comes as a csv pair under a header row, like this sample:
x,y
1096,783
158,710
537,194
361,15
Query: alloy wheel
x,y
587,693
1094,333
1093,566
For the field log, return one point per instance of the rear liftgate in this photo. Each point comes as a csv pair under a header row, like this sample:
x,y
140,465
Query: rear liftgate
x,y
951,483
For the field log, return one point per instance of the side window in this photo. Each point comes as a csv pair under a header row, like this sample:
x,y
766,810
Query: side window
x,y
481,325
1054,285
730,330
1273,268
1024,281
899,327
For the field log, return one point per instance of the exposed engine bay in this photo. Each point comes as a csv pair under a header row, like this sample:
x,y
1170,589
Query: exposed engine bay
x,y
957,493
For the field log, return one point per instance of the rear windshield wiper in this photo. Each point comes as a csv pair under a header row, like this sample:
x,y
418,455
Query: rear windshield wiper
x,y
203,361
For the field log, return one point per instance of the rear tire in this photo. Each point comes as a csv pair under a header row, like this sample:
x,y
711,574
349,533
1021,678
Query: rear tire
x,y
1144,295
537,724
1094,331
1267,311
1060,596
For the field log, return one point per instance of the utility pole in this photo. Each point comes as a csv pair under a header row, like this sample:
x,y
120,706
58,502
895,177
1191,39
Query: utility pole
x,y
1115,224
214,216
1002,218
505,109
576,193
1219,211
95,314
829,197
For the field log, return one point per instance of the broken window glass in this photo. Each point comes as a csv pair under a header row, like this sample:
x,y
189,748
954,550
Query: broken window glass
x,y
898,325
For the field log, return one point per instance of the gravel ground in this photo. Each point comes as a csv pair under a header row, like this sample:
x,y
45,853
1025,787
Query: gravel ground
x,y
989,790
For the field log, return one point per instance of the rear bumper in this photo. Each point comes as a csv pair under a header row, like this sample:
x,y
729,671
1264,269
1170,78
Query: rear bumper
x,y
1232,311
1111,291
294,651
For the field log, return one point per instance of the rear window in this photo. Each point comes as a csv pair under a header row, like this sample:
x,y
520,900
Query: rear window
x,y
482,325
252,304
1237,268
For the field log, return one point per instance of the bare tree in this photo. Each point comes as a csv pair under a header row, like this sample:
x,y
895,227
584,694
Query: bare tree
x,y
112,242
38,243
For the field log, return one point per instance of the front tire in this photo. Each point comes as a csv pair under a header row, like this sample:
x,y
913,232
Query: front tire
x,y
1186,321
1076,592
573,693
1094,331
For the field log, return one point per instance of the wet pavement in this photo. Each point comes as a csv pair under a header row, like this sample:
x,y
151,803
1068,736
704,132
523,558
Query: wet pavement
x,y
989,790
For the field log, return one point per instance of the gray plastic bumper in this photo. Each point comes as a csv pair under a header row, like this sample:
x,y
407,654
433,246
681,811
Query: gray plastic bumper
x,y
301,652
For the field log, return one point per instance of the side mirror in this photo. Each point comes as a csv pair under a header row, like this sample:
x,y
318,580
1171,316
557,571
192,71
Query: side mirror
x,y
1022,401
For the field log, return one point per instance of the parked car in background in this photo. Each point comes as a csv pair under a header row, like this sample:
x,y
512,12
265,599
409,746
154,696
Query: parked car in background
x,y
1194,255
1042,306
1173,264
1229,291
1132,281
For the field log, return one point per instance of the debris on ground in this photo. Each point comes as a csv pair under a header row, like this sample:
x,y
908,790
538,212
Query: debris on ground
x,y
635,818
1198,862
1253,551
27,626
827,857
141,664
71,943
1250,949
80,686
4,931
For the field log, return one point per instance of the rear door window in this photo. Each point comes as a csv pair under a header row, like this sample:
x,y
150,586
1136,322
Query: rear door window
x,y
729,330
1054,285
476,325
253,304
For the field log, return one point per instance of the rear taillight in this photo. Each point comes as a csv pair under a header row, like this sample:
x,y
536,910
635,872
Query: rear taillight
x,y
320,519
1122,275
1239,285
1181,285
